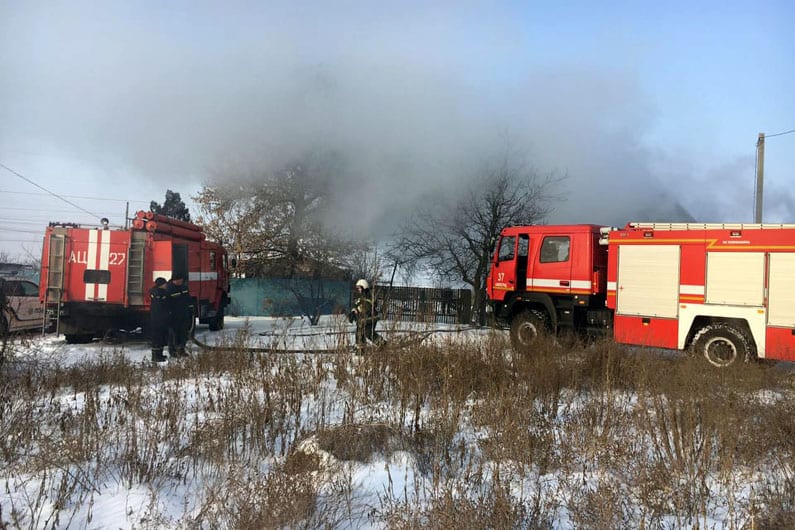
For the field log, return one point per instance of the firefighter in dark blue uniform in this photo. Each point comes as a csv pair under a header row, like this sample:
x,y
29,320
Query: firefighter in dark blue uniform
x,y
159,319
182,317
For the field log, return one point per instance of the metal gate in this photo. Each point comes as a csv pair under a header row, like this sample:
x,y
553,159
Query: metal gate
x,y
423,304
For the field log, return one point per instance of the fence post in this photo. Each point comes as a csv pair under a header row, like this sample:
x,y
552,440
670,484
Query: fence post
x,y
465,306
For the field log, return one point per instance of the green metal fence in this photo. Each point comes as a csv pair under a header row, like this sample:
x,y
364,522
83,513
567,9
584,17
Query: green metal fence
x,y
279,297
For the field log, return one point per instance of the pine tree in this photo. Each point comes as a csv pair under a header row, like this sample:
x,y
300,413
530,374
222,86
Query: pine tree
x,y
172,207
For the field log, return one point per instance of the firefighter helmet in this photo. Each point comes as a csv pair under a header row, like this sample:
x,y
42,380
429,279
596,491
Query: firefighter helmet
x,y
363,284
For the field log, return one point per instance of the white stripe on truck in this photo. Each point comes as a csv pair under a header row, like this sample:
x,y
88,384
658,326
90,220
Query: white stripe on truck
x,y
104,258
91,262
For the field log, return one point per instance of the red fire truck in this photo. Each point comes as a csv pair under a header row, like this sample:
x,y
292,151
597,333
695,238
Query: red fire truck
x,y
95,280
724,291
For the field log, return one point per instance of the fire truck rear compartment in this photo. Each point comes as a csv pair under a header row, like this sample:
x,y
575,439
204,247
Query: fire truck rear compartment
x,y
87,319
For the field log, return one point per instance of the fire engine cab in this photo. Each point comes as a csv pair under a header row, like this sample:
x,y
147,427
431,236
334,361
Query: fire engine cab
x,y
95,280
724,291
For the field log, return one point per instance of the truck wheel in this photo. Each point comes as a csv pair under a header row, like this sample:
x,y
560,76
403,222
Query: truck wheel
x,y
79,338
722,344
217,322
526,328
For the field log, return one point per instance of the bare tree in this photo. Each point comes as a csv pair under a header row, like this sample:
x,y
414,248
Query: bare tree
x,y
370,263
275,223
230,215
4,324
454,240
278,215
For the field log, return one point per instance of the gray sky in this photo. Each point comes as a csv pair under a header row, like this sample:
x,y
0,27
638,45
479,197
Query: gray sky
x,y
643,106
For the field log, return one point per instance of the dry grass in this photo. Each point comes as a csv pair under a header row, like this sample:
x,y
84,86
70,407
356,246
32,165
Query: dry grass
x,y
590,435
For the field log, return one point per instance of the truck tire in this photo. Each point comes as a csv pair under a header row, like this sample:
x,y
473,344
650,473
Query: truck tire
x,y
526,328
722,344
78,338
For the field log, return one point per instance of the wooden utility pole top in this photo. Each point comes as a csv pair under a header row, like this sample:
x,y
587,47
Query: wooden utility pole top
x,y
760,176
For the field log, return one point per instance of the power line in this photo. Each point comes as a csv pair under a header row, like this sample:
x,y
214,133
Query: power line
x,y
21,230
20,221
36,210
26,179
74,196
44,216
780,134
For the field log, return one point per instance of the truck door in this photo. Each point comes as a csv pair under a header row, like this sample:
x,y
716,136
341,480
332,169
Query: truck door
x,y
207,280
503,277
551,270
179,261
522,251
161,261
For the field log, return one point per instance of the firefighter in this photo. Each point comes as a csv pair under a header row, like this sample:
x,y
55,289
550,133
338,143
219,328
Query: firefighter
x,y
365,314
181,321
159,319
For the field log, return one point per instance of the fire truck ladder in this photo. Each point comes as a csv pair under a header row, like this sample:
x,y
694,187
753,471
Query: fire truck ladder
x,y
135,269
710,226
55,281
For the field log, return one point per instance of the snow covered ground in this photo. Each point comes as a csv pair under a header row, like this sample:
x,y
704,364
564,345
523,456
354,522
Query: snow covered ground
x,y
258,332
172,488
115,504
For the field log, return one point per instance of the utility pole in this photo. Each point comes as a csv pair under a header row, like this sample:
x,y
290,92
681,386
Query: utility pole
x,y
760,176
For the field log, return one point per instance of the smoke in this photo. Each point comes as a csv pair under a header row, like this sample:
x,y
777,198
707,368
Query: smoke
x,y
411,99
